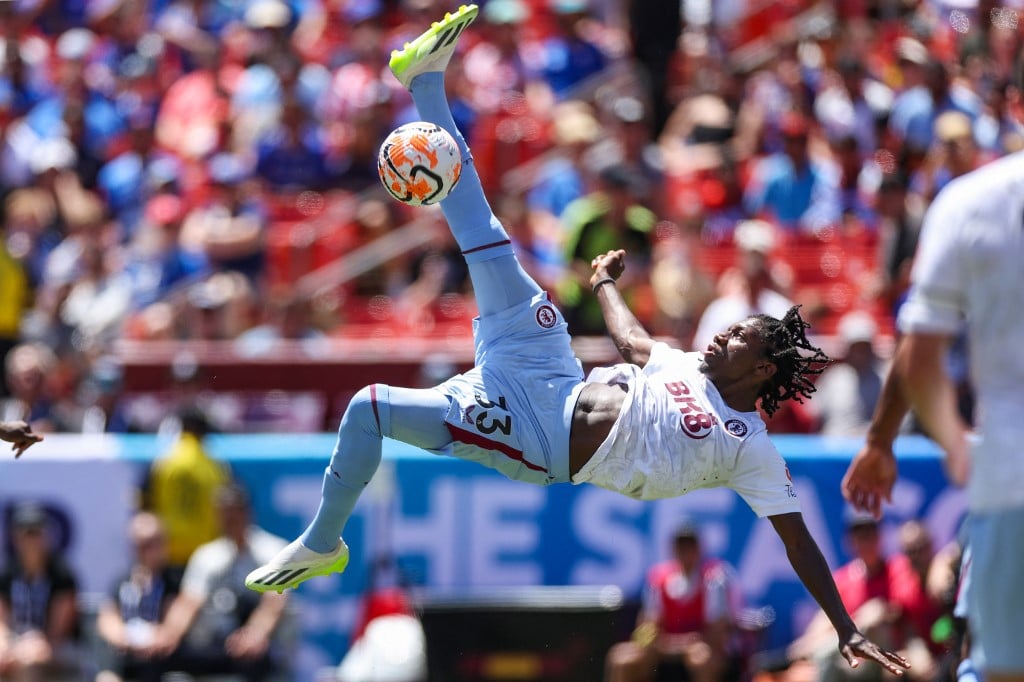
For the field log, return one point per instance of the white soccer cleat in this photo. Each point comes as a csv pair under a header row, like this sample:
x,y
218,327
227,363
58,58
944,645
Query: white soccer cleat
x,y
295,564
432,50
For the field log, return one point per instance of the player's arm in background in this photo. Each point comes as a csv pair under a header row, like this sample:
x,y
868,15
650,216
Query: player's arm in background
x,y
872,473
19,435
814,573
631,339
918,378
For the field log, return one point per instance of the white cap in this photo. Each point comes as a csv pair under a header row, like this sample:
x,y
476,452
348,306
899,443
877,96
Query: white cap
x,y
53,153
911,50
755,235
268,14
75,44
857,326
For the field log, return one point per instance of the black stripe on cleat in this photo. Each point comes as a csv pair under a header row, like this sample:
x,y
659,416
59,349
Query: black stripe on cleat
x,y
441,40
456,33
289,575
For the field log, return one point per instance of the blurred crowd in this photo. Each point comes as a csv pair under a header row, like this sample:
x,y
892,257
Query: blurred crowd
x,y
899,586
197,170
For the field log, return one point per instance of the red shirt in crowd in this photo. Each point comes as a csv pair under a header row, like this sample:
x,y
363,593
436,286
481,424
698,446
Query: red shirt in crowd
x,y
681,603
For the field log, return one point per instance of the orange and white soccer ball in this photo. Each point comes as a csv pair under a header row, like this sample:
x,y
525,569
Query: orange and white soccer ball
x,y
419,163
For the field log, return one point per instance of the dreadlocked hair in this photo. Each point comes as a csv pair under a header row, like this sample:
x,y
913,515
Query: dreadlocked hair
x,y
784,340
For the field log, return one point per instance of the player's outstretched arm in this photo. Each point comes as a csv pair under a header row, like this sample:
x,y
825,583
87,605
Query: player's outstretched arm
x,y
20,435
813,571
631,339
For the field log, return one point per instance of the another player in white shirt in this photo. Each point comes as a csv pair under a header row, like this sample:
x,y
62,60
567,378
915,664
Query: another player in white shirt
x,y
664,423
969,270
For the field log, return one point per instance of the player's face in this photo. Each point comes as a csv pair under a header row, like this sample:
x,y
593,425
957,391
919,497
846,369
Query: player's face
x,y
737,353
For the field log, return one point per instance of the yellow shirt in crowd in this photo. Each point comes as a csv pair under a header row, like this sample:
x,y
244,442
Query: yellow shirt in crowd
x,y
182,489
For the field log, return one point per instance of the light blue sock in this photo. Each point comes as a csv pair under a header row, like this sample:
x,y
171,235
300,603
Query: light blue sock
x,y
412,415
354,461
476,229
499,281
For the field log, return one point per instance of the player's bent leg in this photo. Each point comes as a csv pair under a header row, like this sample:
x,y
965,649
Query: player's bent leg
x,y
414,416
420,67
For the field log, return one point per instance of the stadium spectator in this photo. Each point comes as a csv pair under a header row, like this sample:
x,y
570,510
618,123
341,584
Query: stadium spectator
x,y
98,300
38,610
791,187
913,597
848,390
157,261
929,92
562,178
30,370
136,605
220,627
754,286
288,318
681,289
571,53
181,488
101,397
613,215
850,104
952,154
688,614
293,157
14,299
495,66
899,216
229,227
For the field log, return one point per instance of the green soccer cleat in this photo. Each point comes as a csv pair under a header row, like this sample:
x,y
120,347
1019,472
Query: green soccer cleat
x,y
296,564
432,50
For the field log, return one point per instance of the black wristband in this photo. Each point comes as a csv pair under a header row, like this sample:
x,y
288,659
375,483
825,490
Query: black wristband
x,y
603,280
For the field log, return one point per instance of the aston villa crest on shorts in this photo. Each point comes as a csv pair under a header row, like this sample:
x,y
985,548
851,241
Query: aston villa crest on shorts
x,y
736,427
546,316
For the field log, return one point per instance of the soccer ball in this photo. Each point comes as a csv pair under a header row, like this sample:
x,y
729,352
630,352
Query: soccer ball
x,y
419,163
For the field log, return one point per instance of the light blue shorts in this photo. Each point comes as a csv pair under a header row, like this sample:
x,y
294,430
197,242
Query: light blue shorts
x,y
995,602
513,411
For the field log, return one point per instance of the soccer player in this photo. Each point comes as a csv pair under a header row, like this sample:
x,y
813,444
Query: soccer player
x,y
969,269
664,423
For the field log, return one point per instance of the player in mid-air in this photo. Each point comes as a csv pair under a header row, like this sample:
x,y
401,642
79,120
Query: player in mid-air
x,y
660,425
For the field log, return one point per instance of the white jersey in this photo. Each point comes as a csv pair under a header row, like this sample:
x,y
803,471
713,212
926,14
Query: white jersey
x,y
676,434
970,268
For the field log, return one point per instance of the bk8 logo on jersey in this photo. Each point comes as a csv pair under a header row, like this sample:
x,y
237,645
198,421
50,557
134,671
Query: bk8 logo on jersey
x,y
419,163
696,422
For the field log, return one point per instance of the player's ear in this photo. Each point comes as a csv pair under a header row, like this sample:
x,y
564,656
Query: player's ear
x,y
766,369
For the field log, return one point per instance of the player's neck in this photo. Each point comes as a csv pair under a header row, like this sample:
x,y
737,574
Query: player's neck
x,y
738,395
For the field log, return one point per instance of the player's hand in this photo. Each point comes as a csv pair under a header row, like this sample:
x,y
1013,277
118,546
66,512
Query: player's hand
x,y
610,264
20,435
870,478
858,646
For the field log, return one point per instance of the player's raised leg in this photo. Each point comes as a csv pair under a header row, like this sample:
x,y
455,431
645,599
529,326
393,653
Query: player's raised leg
x,y
499,282
414,416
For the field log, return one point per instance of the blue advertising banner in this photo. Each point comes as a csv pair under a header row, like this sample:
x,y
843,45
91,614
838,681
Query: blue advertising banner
x,y
455,525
